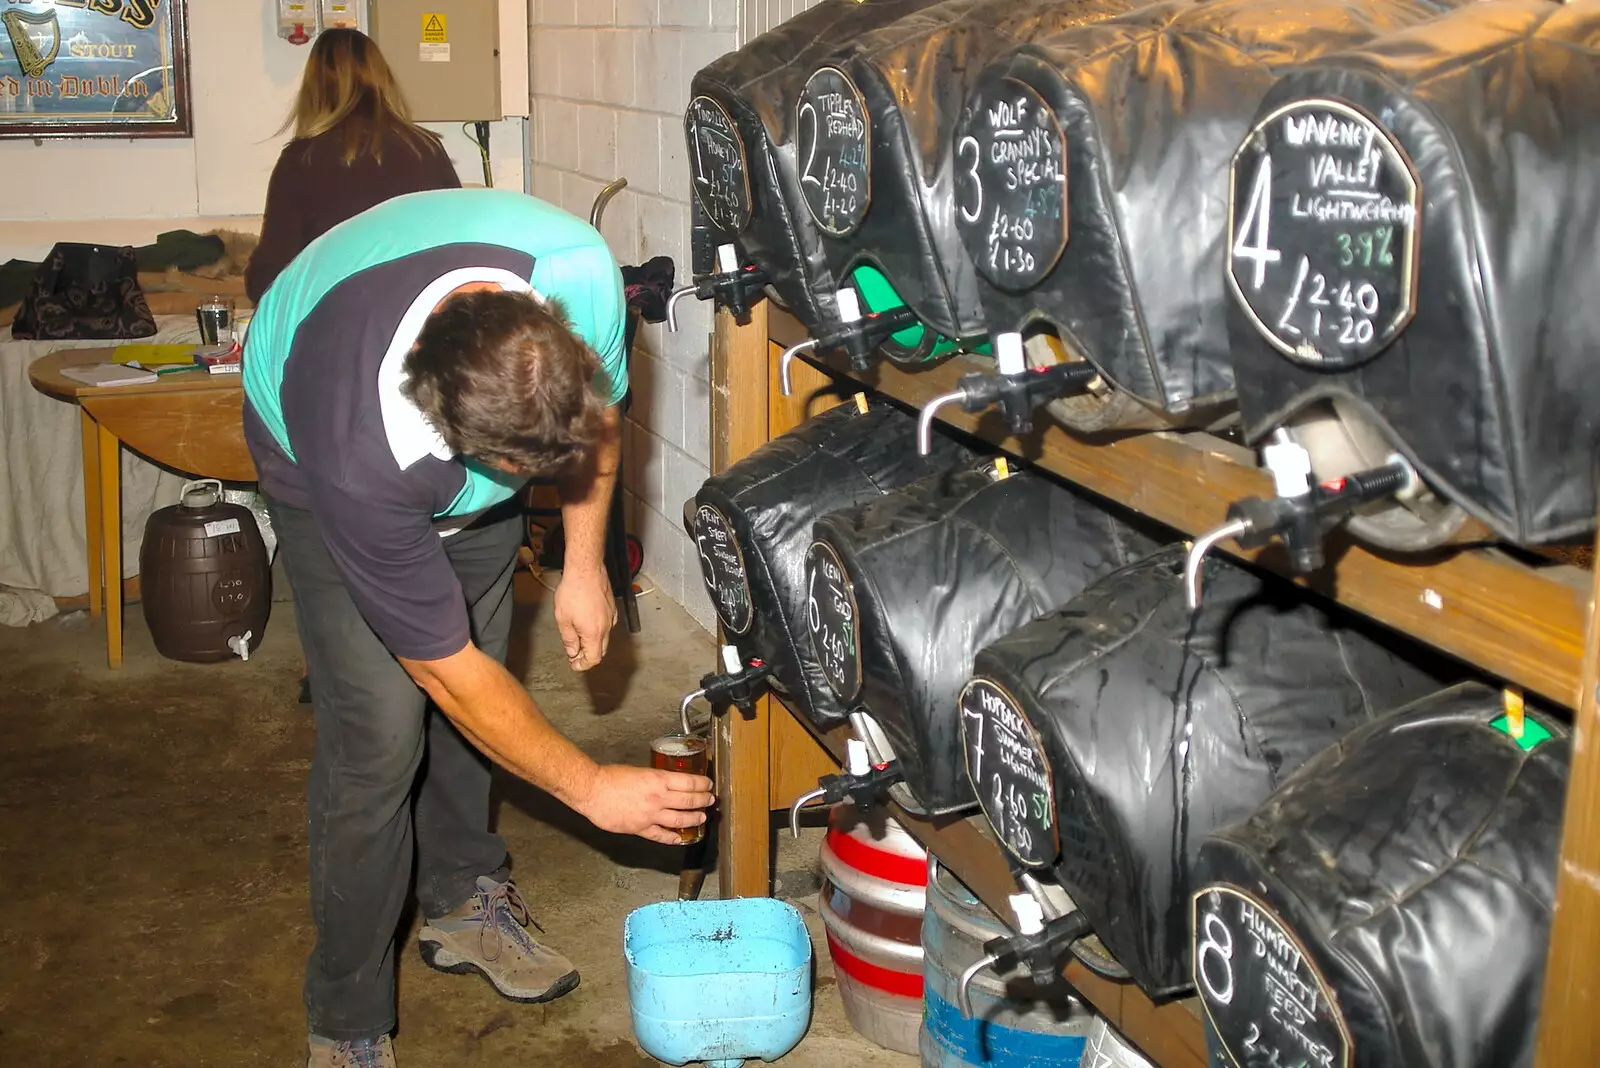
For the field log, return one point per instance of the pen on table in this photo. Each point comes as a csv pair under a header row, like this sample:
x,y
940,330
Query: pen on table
x,y
176,369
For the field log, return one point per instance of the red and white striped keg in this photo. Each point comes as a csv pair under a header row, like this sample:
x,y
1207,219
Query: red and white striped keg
x,y
875,878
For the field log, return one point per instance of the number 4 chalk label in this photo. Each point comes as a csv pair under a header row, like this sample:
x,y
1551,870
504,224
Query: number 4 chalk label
x,y
1258,216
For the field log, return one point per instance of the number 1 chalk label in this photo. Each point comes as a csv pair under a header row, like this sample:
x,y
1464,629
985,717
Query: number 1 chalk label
x,y
719,167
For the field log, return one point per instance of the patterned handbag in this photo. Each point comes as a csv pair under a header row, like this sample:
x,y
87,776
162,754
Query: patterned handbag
x,y
85,292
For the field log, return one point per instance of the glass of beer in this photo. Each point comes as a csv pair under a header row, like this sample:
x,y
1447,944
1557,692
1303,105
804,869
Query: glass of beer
x,y
688,753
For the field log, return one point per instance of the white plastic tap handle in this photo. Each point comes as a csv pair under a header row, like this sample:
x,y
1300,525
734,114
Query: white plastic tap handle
x,y
1008,353
1290,465
856,760
1030,917
849,305
240,644
727,258
731,664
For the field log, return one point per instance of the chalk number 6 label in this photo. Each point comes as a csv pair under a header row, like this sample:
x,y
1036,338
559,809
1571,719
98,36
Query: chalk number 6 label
x,y
1215,954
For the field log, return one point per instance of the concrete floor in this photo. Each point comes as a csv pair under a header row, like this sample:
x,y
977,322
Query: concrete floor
x,y
152,859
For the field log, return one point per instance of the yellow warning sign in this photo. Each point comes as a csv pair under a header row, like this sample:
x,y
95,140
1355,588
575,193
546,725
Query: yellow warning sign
x,y
435,28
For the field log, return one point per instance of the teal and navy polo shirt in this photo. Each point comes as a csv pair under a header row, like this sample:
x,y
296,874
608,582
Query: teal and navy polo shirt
x,y
328,425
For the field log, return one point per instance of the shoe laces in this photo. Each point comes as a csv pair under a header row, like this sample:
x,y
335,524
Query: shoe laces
x,y
505,900
365,1053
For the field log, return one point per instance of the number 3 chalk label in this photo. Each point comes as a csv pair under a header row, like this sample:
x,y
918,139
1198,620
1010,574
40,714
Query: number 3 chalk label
x,y
1265,999
1323,232
1010,189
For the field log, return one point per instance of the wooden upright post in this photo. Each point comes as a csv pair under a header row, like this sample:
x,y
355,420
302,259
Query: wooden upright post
x,y
1569,1021
739,390
91,510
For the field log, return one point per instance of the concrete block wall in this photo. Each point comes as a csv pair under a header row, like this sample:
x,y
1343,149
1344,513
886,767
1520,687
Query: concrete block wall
x,y
610,81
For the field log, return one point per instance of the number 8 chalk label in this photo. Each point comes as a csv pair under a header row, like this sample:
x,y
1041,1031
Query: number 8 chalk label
x,y
1264,997
1323,228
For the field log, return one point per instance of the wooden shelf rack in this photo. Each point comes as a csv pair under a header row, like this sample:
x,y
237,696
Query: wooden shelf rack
x,y
1526,621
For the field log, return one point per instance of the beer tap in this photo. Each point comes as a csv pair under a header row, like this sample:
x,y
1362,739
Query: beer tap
x,y
1017,388
1038,945
729,284
863,782
858,333
1301,513
740,683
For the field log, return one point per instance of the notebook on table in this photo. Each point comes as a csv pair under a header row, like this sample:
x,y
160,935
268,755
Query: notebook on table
x,y
108,374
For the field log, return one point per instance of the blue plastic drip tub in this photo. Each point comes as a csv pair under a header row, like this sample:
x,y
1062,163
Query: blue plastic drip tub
x,y
718,981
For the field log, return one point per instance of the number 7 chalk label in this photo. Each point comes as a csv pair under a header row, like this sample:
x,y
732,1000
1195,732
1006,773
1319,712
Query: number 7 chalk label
x,y
1010,772
1323,229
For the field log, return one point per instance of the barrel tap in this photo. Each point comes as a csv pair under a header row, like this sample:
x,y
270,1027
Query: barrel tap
x,y
858,333
1301,513
1017,388
863,782
739,684
730,285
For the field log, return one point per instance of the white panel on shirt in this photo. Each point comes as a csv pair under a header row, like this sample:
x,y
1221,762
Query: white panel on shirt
x,y
409,433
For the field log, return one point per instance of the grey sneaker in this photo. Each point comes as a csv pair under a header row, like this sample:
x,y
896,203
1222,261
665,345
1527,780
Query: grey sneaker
x,y
489,935
362,1053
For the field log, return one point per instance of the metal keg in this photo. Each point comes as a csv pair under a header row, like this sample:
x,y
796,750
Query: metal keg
x,y
1014,1023
1108,1049
872,901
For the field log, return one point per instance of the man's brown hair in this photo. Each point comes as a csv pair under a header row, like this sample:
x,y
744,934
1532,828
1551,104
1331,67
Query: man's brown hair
x,y
504,380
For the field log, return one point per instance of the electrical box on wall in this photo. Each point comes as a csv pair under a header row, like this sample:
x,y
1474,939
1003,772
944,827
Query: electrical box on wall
x,y
445,54
299,21
344,15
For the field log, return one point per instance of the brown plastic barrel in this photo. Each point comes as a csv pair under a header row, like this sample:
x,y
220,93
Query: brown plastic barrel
x,y
204,581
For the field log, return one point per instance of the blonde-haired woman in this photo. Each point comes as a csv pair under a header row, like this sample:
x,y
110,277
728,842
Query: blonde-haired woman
x,y
354,146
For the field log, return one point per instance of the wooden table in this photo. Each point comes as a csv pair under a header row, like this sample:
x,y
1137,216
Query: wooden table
x,y
189,421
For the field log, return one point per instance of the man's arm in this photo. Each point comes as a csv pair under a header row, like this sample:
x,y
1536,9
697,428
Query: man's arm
x,y
585,610
498,716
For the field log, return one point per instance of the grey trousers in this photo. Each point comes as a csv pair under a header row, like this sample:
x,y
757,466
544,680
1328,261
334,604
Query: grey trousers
x,y
392,781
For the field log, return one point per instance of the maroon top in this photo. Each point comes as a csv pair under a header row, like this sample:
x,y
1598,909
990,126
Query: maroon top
x,y
312,190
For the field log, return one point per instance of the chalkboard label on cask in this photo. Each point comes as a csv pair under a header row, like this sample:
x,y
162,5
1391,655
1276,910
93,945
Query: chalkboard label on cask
x,y
833,620
1322,235
833,135
719,165
1010,773
722,567
1265,1000
1011,184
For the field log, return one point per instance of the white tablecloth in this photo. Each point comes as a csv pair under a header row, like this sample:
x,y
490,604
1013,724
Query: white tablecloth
x,y
42,545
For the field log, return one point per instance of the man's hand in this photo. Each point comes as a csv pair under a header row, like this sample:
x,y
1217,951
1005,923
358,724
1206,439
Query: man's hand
x,y
644,801
585,612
